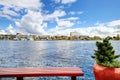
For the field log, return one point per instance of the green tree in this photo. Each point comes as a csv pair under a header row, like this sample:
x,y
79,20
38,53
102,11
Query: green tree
x,y
105,55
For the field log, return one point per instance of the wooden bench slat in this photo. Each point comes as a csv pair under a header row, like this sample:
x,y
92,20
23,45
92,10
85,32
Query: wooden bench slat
x,y
34,72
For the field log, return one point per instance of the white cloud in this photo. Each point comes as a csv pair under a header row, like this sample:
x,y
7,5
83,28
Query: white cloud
x,y
8,30
7,11
27,4
2,32
54,15
68,1
65,1
5,16
115,23
60,31
73,12
71,18
11,7
102,30
64,23
80,12
34,24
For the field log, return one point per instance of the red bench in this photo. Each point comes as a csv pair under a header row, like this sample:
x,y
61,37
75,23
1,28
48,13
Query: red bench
x,y
19,73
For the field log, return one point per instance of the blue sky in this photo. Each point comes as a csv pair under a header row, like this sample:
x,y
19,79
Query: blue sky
x,y
60,17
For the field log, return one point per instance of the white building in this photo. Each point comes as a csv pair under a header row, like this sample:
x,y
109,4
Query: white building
x,y
72,34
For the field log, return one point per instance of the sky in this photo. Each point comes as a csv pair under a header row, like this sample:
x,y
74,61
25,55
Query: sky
x,y
60,17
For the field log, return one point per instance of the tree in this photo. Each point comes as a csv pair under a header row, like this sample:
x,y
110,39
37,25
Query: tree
x,y
105,55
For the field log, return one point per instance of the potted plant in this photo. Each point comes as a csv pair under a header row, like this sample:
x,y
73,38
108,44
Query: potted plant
x,y
106,66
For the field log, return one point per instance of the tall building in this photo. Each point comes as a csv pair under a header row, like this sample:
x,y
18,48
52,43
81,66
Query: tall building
x,y
73,34
118,35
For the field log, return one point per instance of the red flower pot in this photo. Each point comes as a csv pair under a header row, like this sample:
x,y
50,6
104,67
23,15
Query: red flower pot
x,y
106,73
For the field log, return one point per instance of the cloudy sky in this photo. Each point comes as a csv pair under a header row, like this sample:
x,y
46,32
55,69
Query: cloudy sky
x,y
60,17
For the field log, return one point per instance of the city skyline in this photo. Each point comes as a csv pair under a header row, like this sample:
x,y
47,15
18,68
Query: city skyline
x,y
60,17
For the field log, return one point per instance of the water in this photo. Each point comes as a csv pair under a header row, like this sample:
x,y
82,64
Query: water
x,y
50,54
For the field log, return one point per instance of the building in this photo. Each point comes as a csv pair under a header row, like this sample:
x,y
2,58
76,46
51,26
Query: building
x,y
72,34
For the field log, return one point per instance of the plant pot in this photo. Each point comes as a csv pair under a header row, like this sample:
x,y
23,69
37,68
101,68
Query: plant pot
x,y
106,73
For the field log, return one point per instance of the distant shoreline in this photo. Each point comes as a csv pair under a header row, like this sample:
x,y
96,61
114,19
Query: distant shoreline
x,y
55,40
19,37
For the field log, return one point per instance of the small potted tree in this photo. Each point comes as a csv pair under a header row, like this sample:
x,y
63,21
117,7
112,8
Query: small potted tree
x,y
106,66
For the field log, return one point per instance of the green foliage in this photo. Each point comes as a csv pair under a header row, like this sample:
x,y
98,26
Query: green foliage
x,y
113,64
105,55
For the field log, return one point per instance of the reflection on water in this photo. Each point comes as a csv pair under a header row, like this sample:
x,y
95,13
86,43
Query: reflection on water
x,y
50,54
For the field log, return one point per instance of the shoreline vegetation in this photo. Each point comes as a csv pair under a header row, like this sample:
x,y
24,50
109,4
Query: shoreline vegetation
x,y
19,36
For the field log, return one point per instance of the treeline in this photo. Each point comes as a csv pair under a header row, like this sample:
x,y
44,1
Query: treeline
x,y
47,37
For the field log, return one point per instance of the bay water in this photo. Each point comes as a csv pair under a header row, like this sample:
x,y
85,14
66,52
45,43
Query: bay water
x,y
15,54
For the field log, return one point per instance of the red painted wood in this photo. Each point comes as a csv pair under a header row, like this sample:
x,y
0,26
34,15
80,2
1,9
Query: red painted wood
x,y
34,72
